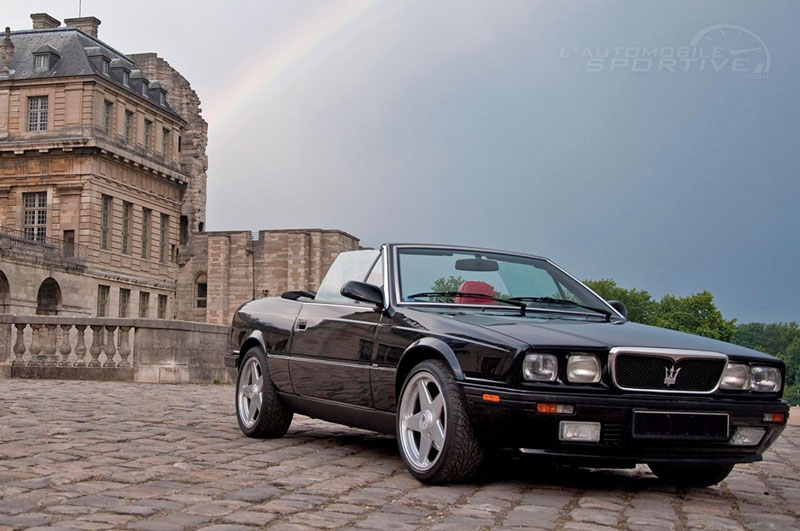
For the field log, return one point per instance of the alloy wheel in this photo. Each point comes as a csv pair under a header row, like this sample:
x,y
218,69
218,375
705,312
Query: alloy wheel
x,y
250,392
423,421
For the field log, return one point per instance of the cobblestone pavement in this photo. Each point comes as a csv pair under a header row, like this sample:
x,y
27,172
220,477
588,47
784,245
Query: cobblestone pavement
x,y
93,455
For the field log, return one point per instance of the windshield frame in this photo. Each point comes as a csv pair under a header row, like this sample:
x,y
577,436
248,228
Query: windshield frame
x,y
397,301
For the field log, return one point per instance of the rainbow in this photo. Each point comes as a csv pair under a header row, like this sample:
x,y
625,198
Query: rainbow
x,y
279,56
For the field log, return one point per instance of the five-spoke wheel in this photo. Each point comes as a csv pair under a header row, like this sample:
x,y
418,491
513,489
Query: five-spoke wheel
x,y
434,433
259,409
249,395
423,419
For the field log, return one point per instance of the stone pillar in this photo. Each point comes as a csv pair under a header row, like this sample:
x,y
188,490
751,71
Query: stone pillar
x,y
96,349
65,348
80,347
109,348
124,346
50,345
36,348
19,344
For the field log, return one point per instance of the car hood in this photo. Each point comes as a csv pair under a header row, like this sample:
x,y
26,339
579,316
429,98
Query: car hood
x,y
574,333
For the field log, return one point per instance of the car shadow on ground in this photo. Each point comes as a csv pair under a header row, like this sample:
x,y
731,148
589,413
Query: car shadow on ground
x,y
500,466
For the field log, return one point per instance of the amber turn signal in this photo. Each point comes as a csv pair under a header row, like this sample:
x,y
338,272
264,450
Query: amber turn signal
x,y
778,418
554,408
491,398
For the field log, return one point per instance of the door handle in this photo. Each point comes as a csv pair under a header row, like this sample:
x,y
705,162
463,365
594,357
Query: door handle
x,y
301,325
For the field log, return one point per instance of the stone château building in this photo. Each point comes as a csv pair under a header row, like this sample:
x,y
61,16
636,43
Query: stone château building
x,y
103,190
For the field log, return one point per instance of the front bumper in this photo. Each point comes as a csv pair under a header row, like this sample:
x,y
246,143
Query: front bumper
x,y
513,422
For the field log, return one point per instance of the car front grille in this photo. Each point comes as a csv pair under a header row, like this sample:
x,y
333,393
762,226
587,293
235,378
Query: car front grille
x,y
687,374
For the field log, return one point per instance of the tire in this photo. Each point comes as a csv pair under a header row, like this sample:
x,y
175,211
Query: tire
x,y
691,476
434,433
259,410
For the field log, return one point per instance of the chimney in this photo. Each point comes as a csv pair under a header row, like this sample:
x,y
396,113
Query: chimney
x,y
6,55
88,25
44,21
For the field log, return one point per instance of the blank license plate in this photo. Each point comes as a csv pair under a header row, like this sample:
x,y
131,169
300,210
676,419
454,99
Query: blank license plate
x,y
680,425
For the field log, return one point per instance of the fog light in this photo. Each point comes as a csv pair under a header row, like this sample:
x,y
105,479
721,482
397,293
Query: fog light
x,y
747,436
579,431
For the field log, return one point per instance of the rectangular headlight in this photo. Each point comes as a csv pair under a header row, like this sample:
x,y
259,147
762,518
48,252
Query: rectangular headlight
x,y
583,368
540,367
766,379
736,377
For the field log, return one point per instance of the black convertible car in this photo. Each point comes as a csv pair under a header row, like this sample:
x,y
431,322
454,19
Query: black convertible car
x,y
459,350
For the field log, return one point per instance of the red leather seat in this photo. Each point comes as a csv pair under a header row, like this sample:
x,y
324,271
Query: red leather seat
x,y
473,286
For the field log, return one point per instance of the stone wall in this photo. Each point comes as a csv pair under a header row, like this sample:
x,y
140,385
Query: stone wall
x,y
240,268
141,350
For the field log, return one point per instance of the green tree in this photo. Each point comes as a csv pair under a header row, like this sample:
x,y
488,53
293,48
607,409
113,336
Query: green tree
x,y
695,314
641,306
772,338
781,340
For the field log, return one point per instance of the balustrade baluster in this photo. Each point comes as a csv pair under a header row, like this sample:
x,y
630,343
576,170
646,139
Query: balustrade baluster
x,y
50,345
19,345
124,346
109,348
80,347
96,349
35,348
65,348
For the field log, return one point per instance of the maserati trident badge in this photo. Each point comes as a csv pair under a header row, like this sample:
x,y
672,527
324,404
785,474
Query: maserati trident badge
x,y
670,375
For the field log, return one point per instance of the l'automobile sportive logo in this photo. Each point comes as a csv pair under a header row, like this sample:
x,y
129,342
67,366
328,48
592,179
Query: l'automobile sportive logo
x,y
719,48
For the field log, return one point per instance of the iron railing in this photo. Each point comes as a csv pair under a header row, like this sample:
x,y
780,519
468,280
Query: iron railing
x,y
17,242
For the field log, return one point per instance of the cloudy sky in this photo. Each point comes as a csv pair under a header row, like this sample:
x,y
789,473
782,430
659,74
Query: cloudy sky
x,y
655,143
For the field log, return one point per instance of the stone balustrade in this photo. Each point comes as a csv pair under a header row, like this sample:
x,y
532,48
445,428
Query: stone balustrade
x,y
145,350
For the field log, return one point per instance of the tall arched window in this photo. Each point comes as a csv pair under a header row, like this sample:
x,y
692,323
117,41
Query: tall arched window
x,y
201,290
4,293
49,298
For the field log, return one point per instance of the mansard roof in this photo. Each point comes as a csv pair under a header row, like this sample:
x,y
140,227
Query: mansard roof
x,y
80,55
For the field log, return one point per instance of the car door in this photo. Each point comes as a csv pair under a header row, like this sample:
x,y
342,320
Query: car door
x,y
332,343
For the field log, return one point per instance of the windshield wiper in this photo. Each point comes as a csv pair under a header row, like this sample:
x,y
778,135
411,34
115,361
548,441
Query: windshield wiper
x,y
553,300
513,302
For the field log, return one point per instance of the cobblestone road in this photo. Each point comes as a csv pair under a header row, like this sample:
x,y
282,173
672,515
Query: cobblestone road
x,y
106,455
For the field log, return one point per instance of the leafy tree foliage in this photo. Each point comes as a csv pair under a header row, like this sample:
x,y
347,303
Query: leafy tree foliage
x,y
781,340
641,306
695,314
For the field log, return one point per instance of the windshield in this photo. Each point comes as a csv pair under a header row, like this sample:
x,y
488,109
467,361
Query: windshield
x,y
449,276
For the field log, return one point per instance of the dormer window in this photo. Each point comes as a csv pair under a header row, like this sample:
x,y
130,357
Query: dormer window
x,y
126,78
104,65
44,58
161,98
144,89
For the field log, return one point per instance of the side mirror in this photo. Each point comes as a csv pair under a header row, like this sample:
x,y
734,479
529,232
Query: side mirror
x,y
361,291
617,305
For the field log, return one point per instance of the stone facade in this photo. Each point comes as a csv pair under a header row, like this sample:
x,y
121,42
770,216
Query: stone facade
x,y
103,190
89,148
238,267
